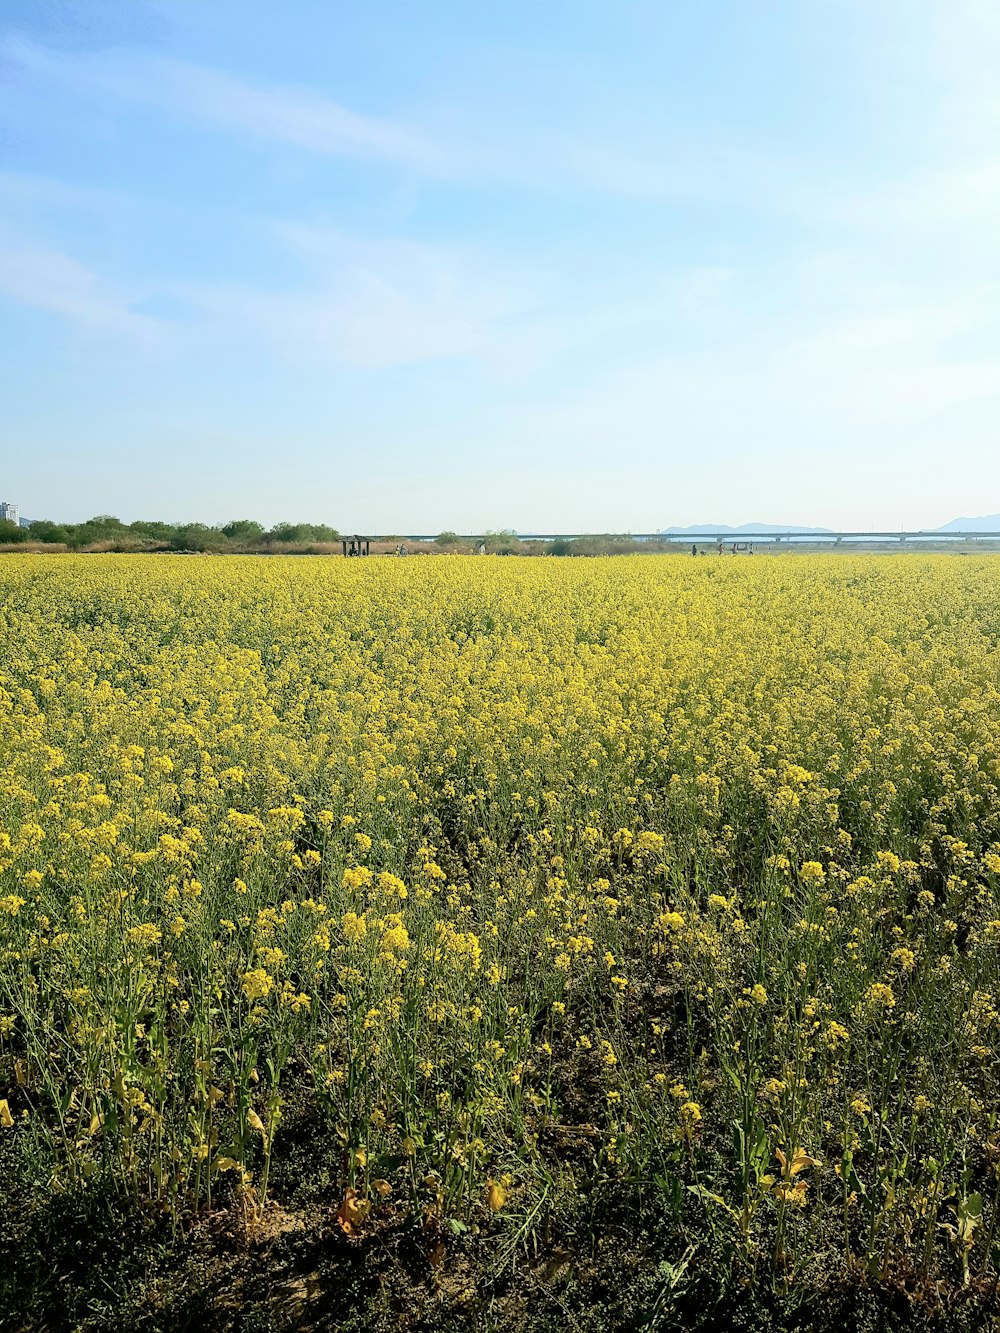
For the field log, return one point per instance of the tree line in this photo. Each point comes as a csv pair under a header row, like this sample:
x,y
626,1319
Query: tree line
x,y
246,535
241,534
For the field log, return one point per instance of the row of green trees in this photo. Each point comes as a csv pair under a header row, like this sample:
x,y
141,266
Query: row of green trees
x,y
240,534
105,532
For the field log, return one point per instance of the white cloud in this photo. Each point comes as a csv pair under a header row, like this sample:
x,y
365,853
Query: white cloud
x,y
270,112
383,302
21,189
51,281
283,114
545,160
920,206
372,303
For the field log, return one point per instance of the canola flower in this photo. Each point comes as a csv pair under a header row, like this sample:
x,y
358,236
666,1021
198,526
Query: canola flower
x,y
521,876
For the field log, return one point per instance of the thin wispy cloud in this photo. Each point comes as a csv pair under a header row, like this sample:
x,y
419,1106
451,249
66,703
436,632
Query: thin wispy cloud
x,y
546,161
267,112
27,190
54,282
921,204
372,303
282,114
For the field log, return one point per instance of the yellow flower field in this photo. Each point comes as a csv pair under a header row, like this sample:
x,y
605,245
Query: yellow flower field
x,y
520,886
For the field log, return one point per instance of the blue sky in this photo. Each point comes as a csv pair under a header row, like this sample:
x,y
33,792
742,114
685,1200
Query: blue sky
x,y
545,264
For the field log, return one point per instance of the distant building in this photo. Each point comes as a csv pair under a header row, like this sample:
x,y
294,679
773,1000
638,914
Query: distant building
x,y
10,512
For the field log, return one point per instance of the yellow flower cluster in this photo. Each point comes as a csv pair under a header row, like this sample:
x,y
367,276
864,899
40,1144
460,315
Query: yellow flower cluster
x,y
635,870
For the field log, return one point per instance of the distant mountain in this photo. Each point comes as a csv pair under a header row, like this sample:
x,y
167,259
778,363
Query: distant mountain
x,y
699,529
991,523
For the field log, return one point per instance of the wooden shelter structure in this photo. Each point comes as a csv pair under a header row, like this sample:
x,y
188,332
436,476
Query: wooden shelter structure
x,y
356,545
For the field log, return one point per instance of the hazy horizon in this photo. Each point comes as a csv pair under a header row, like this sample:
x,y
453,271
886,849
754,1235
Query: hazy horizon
x,y
559,267
956,526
